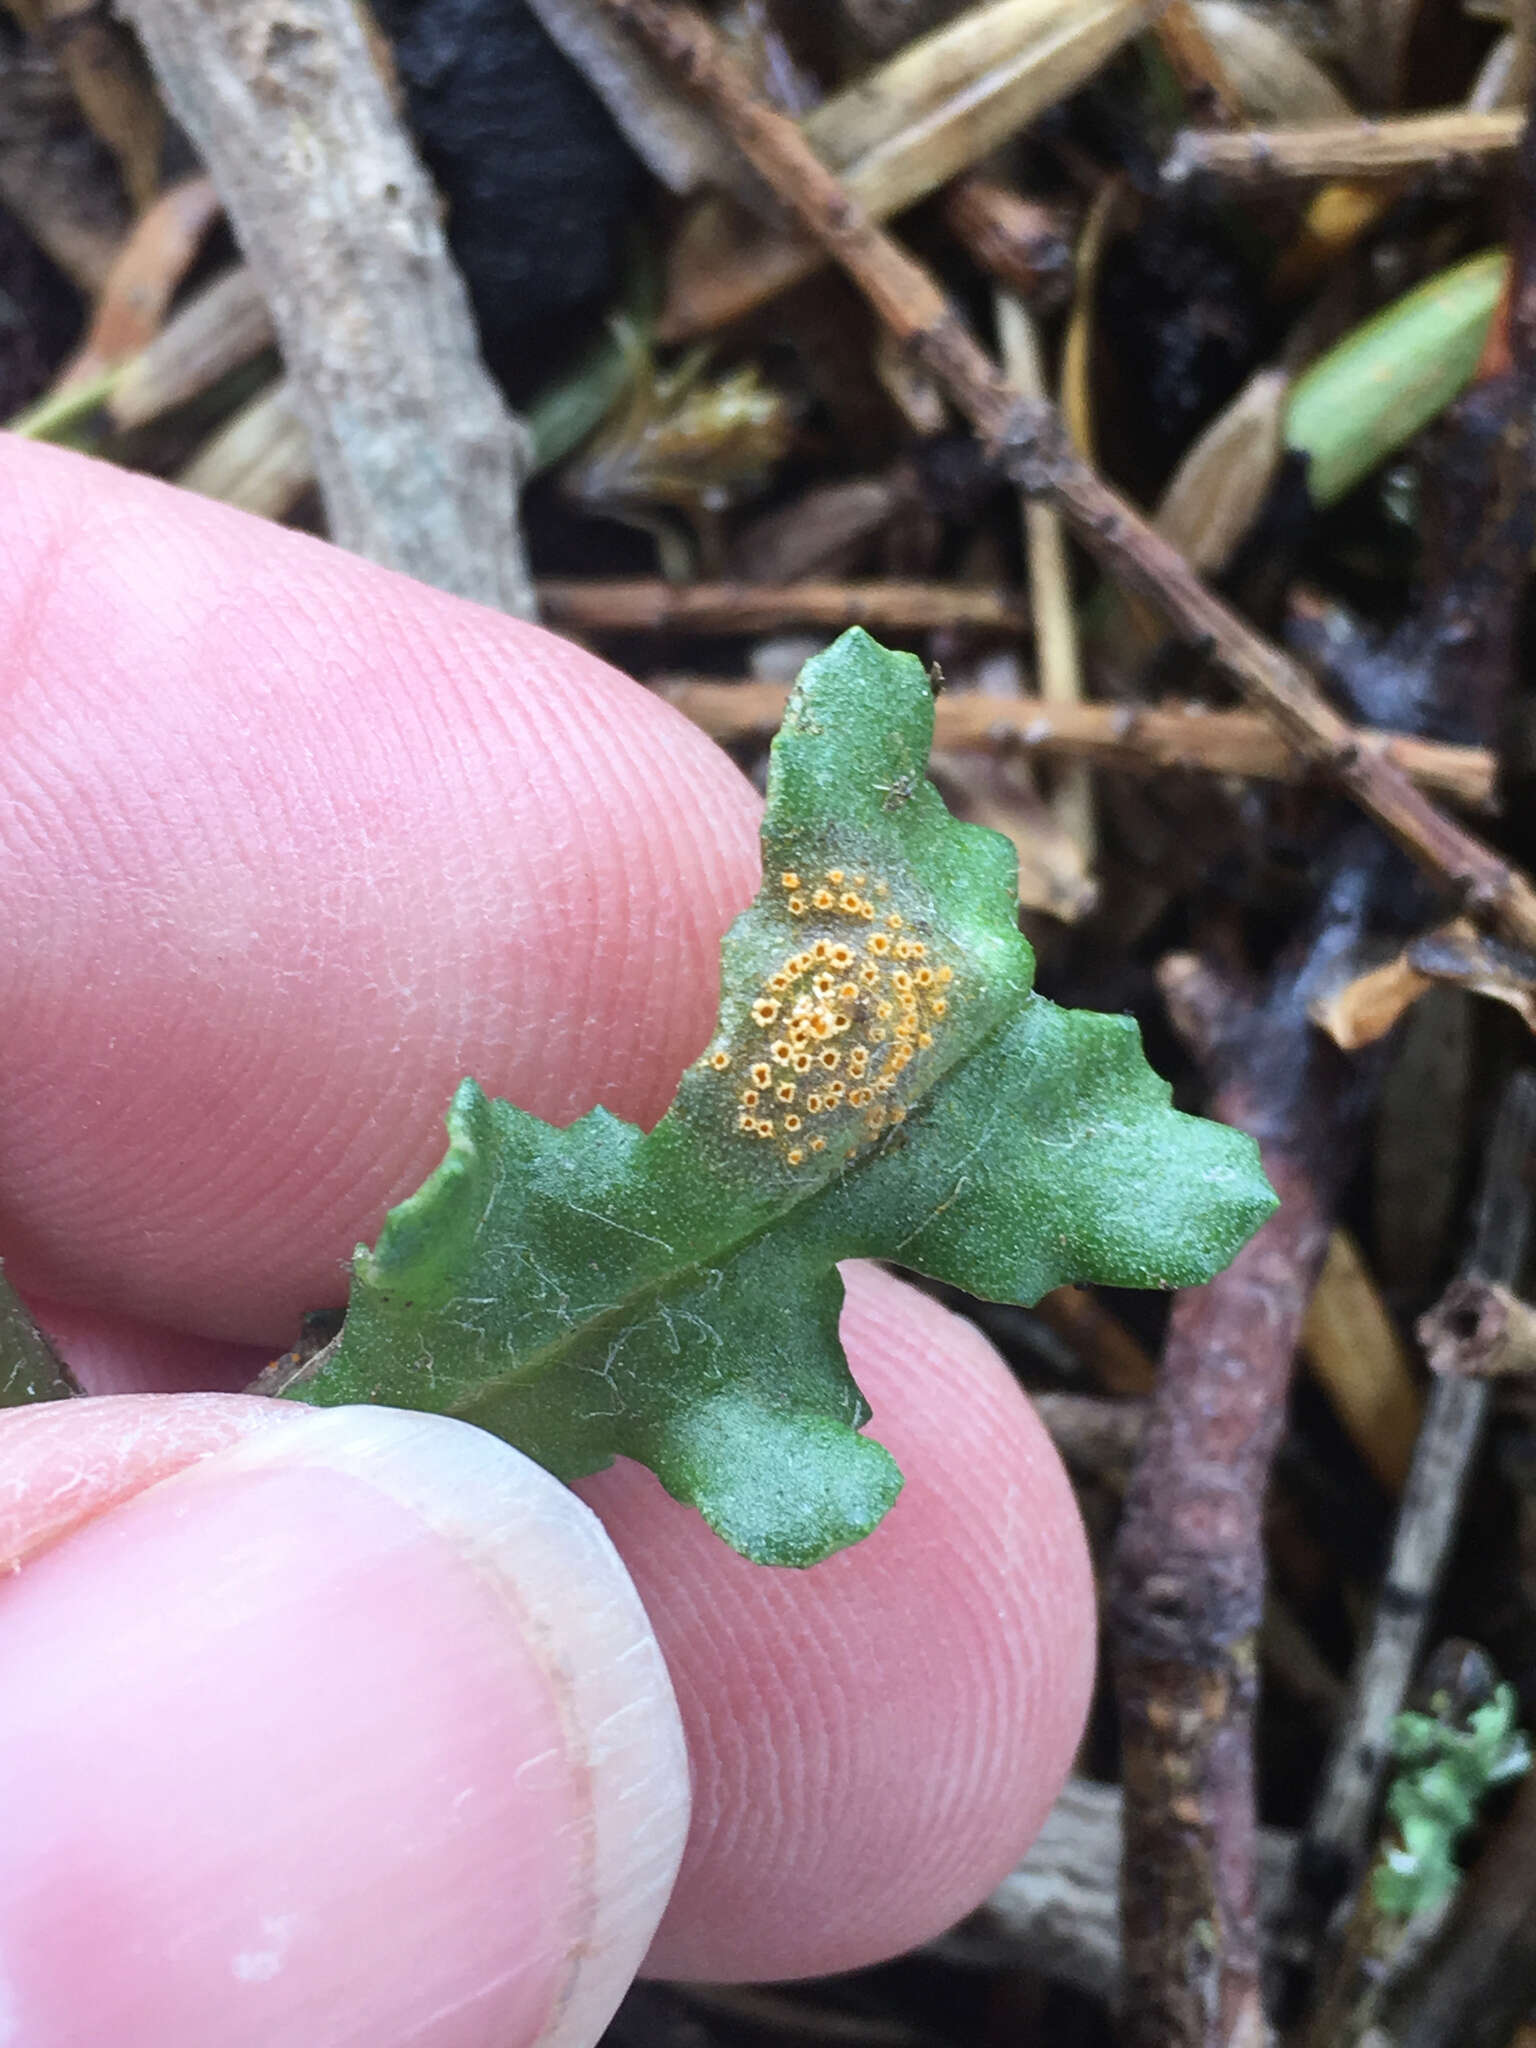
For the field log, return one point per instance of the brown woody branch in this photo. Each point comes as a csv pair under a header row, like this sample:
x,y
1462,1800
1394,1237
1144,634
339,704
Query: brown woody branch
x,y
417,456
1186,1589
1030,446
1338,1834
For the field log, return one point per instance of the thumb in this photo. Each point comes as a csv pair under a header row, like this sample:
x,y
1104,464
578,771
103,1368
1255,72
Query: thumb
x,y
317,1727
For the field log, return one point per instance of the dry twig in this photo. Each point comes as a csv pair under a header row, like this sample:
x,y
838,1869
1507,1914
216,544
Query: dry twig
x,y
1028,444
1342,149
1059,1912
1187,1585
1338,1836
417,456
898,134
646,604
1127,737
1480,1329
215,331
1202,76
1058,663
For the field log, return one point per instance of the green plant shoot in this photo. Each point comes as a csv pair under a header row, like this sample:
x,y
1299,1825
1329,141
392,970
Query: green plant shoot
x,y
1388,378
881,1083
1445,1774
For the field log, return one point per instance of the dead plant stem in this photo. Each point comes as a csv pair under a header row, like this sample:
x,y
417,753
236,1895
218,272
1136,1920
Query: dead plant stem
x,y
1028,443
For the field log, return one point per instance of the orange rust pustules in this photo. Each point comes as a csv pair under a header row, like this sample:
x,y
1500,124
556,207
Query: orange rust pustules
x,y
840,1005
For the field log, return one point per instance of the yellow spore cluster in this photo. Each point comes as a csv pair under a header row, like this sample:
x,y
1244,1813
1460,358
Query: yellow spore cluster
x,y
838,1022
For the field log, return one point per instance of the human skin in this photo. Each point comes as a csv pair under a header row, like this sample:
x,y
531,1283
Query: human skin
x,y
349,1726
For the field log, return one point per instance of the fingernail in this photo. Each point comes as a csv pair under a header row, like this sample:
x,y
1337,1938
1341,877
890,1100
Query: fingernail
x,y
352,1732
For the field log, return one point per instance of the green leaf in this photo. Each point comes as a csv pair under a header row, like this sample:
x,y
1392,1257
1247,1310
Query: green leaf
x,y
1373,391
28,1369
881,1083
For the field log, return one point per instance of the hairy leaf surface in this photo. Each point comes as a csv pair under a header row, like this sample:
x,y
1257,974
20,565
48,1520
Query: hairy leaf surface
x,y
881,1083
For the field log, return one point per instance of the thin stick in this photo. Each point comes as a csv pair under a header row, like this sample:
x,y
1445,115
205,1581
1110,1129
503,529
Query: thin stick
x,y
1102,1344
1480,1329
649,605
1057,661
1058,1912
258,458
219,328
1143,742
1343,1813
1030,447
417,457
1023,243
1094,1433
1202,76
1341,149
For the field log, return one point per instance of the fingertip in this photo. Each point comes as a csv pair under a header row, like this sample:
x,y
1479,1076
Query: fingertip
x,y
114,1354
353,1729
296,844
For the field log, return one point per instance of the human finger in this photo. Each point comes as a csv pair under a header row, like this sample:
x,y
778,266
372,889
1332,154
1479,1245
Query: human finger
x,y
289,845
317,1728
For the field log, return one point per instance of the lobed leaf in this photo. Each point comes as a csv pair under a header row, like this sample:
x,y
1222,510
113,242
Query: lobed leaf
x,y
882,1082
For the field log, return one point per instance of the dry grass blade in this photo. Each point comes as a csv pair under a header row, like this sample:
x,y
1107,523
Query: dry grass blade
x,y
219,328
1370,1004
1353,1347
259,459
1272,79
1058,664
109,78
899,134
1194,61
1456,955
142,281
1220,486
